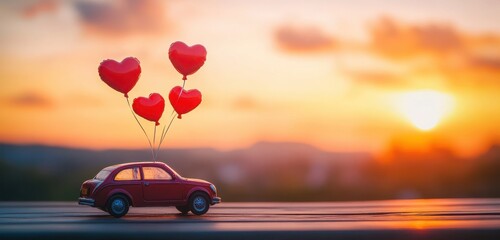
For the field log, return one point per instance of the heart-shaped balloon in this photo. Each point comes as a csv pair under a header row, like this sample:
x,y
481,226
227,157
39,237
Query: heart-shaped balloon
x,y
187,60
185,101
150,108
121,76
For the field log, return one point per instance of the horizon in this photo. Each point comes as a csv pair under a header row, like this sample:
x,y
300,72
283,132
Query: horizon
x,y
263,173
178,148
392,152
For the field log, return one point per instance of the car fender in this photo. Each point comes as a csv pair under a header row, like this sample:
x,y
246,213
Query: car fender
x,y
121,191
198,188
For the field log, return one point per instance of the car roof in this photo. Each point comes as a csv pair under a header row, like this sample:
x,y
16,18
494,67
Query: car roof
x,y
113,167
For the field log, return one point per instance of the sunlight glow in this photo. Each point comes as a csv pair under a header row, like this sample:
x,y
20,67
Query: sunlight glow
x,y
424,108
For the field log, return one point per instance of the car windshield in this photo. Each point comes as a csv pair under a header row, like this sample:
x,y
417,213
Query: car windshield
x,y
103,174
175,173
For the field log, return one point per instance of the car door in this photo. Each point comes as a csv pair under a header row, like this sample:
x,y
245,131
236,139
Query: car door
x,y
129,180
160,186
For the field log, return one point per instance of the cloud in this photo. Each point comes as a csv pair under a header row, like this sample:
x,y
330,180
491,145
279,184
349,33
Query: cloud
x,y
121,18
486,62
395,40
30,99
303,39
377,77
400,54
39,7
443,42
484,52
434,51
246,103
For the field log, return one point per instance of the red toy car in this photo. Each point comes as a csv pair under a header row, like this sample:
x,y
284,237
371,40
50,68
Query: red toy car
x,y
146,184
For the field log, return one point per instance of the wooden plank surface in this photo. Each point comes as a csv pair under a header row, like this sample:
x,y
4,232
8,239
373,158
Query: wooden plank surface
x,y
391,219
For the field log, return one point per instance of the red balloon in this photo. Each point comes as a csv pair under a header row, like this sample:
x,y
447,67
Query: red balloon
x,y
121,76
150,108
187,60
184,102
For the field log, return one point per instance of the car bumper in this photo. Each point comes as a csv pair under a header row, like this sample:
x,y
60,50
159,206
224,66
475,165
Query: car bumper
x,y
86,201
216,200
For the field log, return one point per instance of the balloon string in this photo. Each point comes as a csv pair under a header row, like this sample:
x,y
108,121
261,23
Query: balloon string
x,y
144,131
154,138
164,132
166,128
163,137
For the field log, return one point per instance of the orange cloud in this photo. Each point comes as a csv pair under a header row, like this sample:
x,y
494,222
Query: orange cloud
x,y
30,99
39,7
246,103
396,40
441,49
377,77
303,39
120,18
484,52
486,62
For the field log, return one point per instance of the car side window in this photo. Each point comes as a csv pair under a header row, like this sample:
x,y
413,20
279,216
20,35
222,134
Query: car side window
x,y
155,173
128,174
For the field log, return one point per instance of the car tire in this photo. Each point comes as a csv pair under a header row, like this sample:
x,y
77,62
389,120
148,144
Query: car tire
x,y
118,206
199,203
183,209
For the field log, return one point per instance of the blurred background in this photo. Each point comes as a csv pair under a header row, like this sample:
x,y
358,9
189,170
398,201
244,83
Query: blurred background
x,y
302,100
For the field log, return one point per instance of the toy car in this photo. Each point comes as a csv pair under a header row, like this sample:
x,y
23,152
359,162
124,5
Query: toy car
x,y
146,184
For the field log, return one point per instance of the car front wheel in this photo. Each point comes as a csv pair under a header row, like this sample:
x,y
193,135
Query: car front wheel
x,y
198,203
118,206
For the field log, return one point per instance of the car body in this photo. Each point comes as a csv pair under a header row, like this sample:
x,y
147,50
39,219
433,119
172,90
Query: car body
x,y
146,184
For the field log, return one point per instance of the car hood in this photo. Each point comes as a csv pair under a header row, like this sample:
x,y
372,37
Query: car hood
x,y
197,181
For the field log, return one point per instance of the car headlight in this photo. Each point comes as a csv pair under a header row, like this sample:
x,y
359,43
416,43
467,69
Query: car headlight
x,y
213,188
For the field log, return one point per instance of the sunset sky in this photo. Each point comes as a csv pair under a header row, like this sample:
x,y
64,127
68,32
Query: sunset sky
x,y
341,76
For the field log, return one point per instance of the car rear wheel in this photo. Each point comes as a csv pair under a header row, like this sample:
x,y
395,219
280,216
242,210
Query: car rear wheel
x,y
183,209
198,203
118,206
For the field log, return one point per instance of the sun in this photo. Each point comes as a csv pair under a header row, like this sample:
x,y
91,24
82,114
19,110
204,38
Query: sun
x,y
424,108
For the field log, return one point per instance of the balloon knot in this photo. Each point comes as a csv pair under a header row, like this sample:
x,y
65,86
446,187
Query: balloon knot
x,y
184,78
157,123
126,95
179,116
